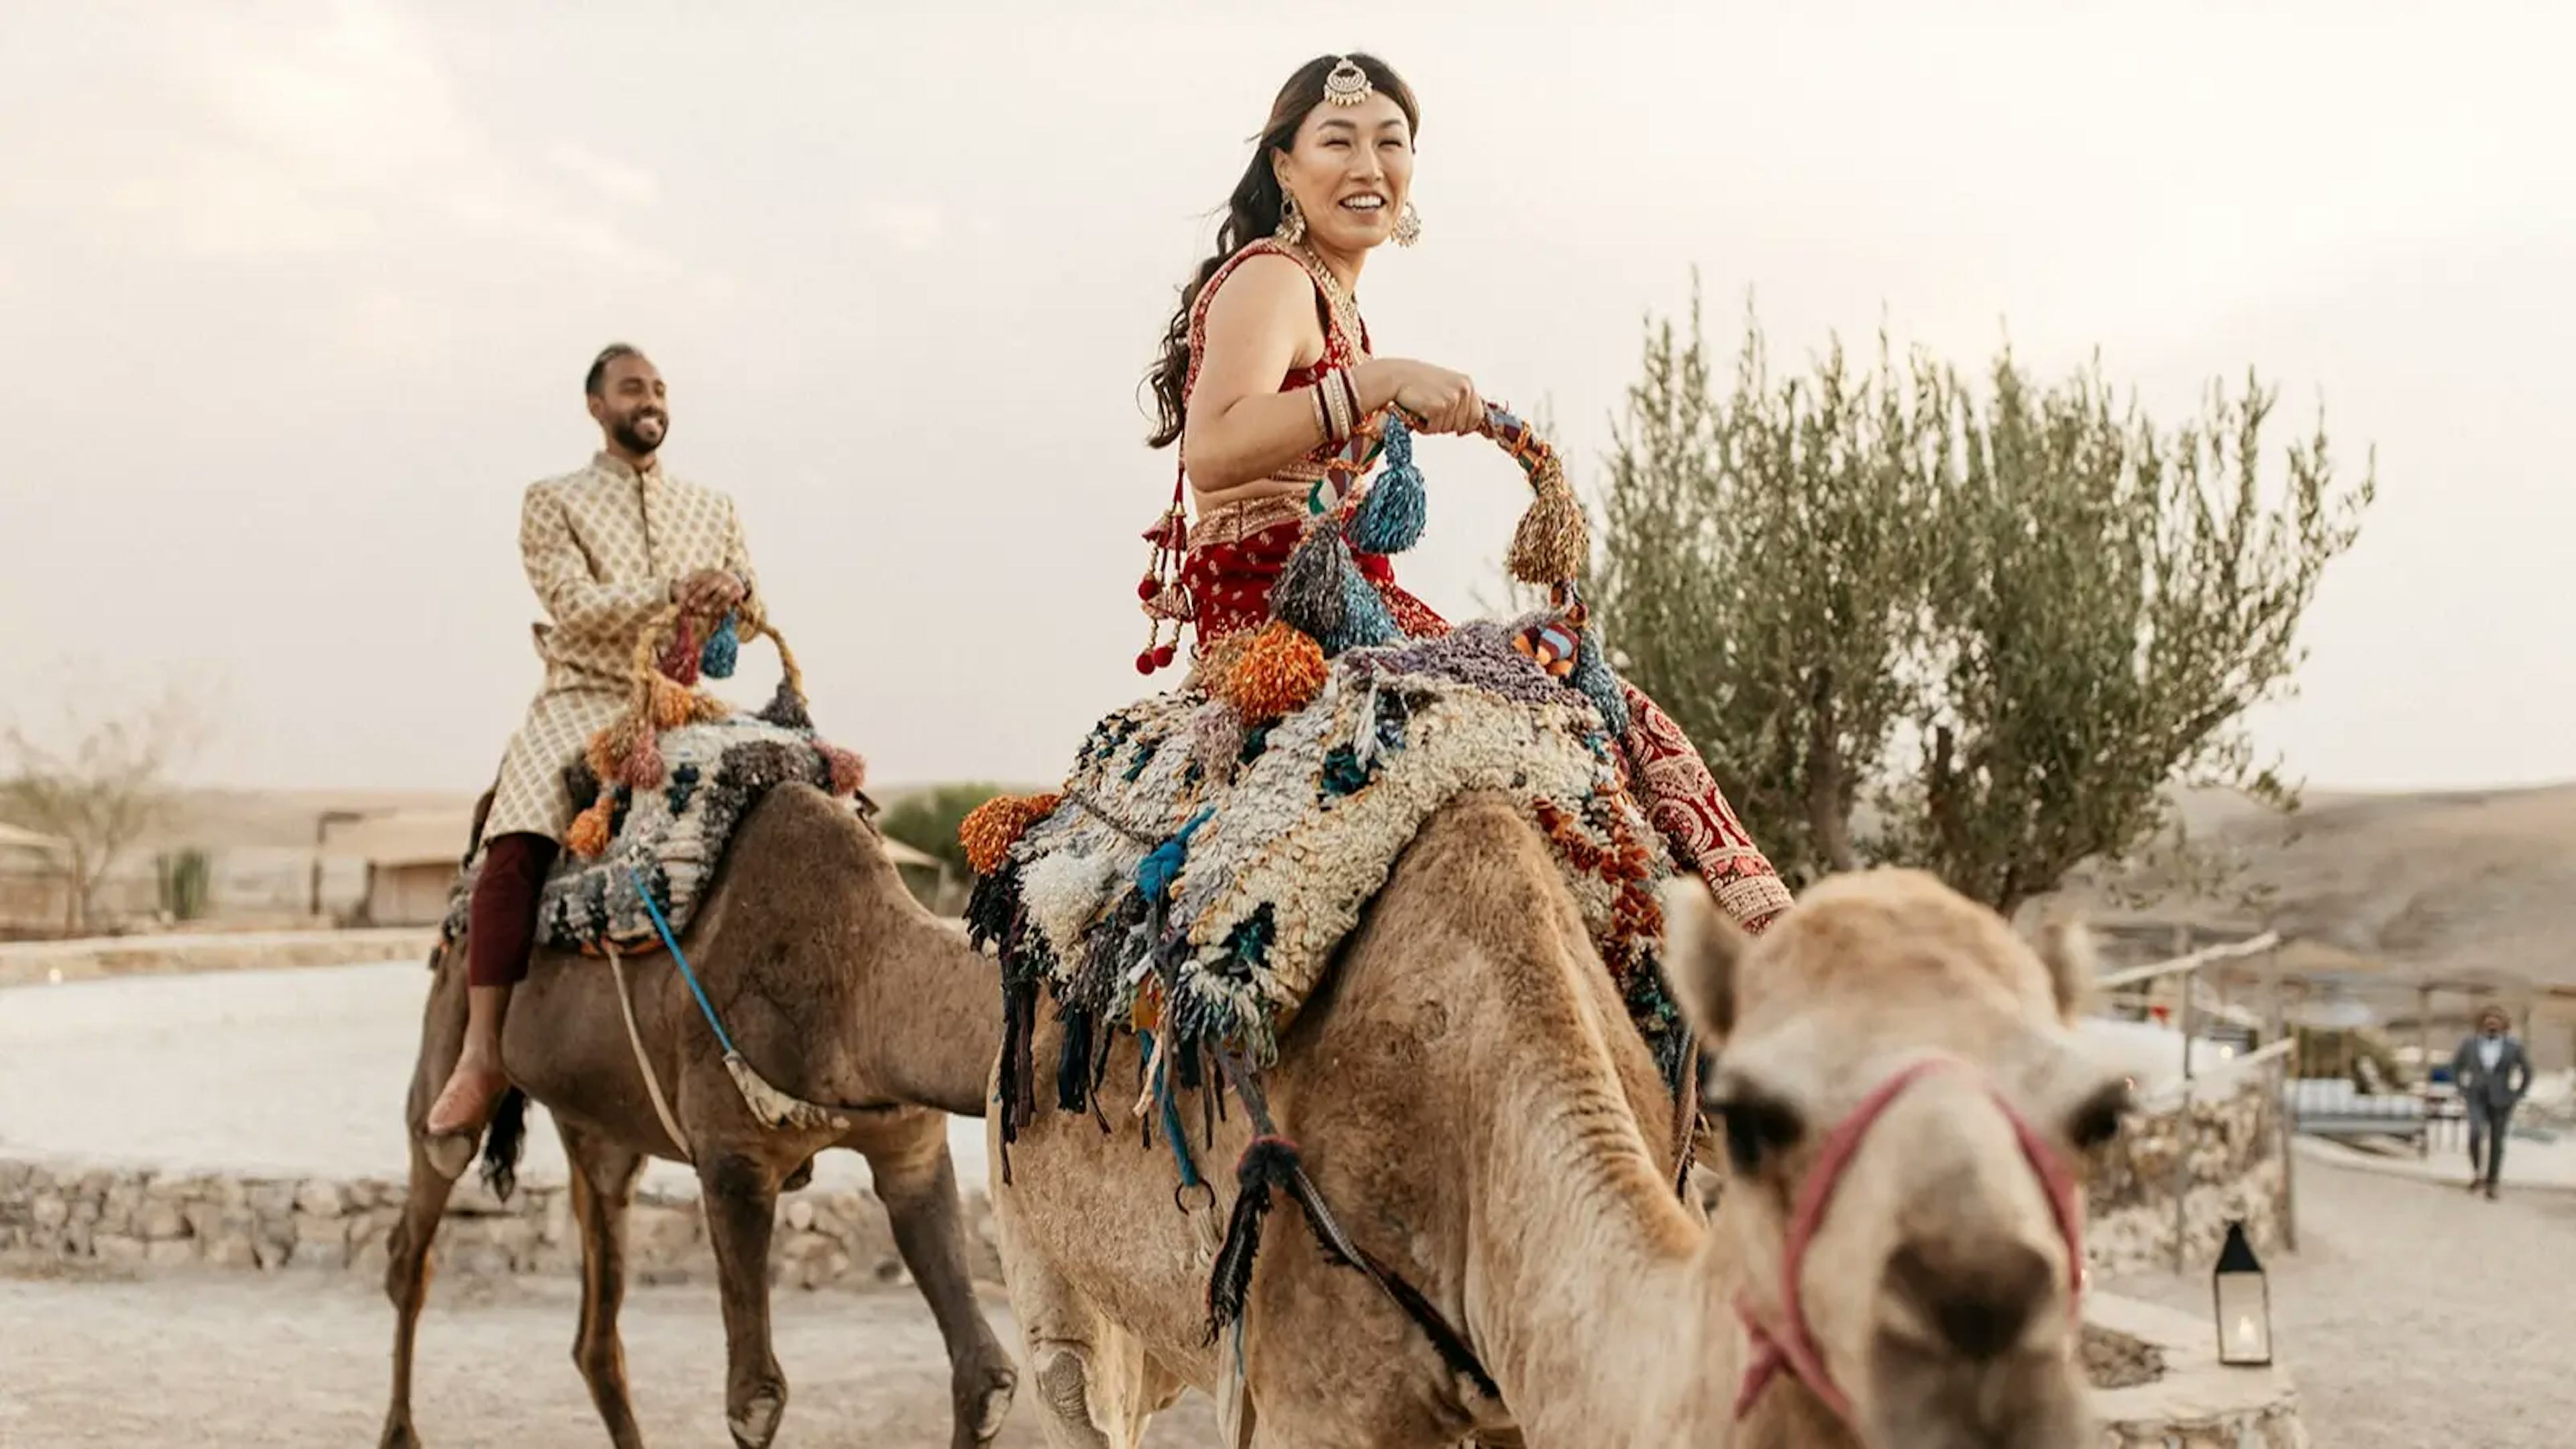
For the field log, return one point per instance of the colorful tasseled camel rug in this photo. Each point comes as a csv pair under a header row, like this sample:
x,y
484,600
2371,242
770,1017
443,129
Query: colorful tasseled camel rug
x,y
671,835
1195,876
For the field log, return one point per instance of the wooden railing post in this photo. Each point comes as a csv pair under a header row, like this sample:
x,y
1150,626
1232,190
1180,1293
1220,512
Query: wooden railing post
x,y
2185,1129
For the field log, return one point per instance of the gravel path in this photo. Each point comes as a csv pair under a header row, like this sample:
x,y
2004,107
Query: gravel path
x,y
300,1363
2417,1315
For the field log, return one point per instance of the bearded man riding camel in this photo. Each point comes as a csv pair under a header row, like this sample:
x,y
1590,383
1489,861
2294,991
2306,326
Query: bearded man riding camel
x,y
605,548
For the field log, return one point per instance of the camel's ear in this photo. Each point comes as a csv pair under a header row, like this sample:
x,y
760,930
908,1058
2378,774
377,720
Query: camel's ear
x,y
2066,949
1702,951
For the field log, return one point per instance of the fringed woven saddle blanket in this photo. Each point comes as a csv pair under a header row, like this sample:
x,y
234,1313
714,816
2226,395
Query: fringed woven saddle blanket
x,y
671,834
1195,876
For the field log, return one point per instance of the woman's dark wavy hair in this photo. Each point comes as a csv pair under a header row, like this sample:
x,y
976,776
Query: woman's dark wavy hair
x,y
1252,213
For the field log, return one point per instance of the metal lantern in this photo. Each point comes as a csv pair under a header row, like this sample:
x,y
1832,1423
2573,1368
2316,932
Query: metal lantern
x,y
2243,1299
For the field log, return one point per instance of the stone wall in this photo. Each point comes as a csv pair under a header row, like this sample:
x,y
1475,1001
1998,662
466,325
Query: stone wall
x,y
2232,1168
841,1238
140,1218
2179,1396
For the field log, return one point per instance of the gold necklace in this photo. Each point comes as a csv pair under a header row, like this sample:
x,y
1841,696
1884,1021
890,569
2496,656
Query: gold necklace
x,y
1345,307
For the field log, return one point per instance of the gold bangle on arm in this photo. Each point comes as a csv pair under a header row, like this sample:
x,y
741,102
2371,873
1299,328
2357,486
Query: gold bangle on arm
x,y
1337,403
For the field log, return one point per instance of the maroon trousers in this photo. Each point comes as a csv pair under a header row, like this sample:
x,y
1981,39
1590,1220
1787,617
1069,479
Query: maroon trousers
x,y
501,920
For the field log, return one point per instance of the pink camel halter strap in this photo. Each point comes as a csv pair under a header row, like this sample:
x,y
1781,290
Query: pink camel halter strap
x,y
1793,1347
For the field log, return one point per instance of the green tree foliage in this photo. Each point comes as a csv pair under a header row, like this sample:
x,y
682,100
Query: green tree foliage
x,y
187,884
2006,617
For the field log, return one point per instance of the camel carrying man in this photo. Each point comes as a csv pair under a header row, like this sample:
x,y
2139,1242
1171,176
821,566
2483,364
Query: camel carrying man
x,y
605,548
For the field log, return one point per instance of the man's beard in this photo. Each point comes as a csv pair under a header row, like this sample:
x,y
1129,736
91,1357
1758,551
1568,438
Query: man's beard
x,y
635,442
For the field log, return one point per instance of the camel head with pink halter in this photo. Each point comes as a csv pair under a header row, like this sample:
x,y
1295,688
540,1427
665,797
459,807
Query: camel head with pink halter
x,y
1906,1111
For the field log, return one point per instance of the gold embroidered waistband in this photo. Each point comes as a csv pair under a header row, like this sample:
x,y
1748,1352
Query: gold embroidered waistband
x,y
1232,523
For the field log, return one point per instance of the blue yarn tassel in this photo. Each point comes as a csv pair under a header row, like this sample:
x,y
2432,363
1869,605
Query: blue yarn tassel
x,y
1390,518
1593,676
1156,872
1366,621
1311,595
723,649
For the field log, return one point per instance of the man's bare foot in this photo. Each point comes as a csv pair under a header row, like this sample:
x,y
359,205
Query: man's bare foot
x,y
465,1103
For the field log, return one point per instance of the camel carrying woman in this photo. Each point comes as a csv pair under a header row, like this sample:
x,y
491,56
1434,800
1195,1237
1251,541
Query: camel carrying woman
x,y
1370,911
1267,372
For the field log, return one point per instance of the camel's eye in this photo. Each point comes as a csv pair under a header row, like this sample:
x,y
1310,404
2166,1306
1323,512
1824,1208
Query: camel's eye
x,y
2100,1118
1758,1127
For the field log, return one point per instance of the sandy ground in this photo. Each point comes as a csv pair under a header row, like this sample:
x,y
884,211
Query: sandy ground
x,y
301,1363
2416,1315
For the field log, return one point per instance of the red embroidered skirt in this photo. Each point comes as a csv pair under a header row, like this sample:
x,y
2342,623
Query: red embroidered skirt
x,y
1229,586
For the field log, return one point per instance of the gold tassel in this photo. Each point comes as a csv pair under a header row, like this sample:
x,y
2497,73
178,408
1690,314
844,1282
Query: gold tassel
x,y
1553,543
775,1109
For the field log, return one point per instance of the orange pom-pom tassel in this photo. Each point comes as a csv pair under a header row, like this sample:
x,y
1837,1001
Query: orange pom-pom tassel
x,y
589,834
992,828
707,709
1281,671
672,705
609,750
849,772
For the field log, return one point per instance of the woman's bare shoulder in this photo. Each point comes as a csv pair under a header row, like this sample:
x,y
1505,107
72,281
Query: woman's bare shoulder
x,y
1260,288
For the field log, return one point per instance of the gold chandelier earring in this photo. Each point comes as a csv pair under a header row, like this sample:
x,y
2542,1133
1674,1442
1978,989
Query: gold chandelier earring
x,y
1408,226
1292,220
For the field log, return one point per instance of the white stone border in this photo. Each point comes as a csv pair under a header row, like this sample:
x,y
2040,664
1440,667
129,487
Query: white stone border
x,y
40,963
2196,1403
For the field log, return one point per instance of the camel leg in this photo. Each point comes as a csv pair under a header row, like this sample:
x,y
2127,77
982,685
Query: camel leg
x,y
603,1181
407,1283
741,1200
1089,1373
918,1184
436,1163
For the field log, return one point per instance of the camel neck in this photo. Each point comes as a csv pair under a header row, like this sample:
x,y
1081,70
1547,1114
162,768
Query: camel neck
x,y
929,1003
1601,1305
1591,1289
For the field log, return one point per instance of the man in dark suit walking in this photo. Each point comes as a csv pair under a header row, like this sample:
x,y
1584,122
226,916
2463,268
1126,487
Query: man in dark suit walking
x,y
2492,1072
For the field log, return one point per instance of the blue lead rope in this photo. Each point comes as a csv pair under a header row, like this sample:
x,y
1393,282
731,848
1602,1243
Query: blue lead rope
x,y
673,943
1171,1115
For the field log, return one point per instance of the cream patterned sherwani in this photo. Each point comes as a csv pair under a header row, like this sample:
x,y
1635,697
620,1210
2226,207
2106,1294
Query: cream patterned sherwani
x,y
603,549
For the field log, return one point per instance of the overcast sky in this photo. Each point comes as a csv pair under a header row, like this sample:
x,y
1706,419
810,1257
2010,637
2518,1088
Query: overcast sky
x,y
295,300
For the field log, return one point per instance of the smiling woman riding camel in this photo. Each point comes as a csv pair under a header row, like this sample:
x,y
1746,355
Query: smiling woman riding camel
x,y
1268,370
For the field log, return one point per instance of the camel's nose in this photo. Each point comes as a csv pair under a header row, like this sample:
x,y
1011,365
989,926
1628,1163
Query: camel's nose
x,y
1977,1293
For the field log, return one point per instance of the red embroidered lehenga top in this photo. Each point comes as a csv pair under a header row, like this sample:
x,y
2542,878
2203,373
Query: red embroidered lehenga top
x,y
1233,553
1236,550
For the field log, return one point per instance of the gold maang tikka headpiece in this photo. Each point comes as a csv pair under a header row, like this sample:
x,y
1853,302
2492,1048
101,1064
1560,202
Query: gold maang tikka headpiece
x,y
1347,84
